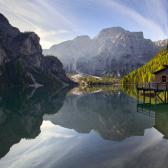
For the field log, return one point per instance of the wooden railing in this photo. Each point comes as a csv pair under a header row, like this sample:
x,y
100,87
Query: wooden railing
x,y
153,86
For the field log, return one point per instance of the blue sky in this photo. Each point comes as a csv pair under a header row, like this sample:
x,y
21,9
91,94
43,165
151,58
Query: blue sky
x,y
59,20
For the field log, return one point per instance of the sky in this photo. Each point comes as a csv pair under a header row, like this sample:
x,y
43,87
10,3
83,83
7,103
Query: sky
x,y
56,21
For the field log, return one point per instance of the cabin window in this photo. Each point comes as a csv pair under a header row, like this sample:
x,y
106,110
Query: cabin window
x,y
163,78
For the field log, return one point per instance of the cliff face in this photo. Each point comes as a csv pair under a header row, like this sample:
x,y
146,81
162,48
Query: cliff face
x,y
114,50
162,43
22,62
70,51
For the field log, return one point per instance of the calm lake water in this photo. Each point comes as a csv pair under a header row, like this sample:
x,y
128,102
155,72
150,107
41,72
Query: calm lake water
x,y
57,129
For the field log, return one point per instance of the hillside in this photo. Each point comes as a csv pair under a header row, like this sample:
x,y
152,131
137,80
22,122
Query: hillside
x,y
144,73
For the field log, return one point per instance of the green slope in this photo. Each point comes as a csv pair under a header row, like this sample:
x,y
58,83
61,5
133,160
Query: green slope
x,y
144,73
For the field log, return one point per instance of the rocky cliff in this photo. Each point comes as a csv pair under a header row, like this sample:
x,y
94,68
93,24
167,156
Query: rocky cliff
x,y
70,51
114,50
161,43
22,62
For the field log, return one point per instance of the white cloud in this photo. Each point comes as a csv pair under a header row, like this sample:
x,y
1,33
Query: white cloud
x,y
51,37
147,24
54,24
160,16
39,16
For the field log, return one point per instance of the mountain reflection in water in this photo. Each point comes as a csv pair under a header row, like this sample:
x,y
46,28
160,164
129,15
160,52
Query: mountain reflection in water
x,y
113,115
51,128
21,113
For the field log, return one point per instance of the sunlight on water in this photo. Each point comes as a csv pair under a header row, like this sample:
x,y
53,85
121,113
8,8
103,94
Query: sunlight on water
x,y
58,146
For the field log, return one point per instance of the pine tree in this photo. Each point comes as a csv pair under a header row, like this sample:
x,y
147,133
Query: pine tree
x,y
145,73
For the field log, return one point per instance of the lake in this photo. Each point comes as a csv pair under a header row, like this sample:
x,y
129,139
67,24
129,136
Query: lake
x,y
53,128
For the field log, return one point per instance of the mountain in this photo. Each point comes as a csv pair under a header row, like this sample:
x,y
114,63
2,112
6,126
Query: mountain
x,y
103,113
70,51
113,51
144,73
161,43
22,62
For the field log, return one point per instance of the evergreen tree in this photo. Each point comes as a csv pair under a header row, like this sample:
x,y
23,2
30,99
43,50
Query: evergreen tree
x,y
145,73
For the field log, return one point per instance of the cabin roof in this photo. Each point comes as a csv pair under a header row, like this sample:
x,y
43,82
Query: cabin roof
x,y
164,67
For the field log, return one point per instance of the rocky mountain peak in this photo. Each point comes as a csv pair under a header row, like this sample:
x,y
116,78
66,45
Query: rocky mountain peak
x,y
112,31
161,43
82,38
27,44
7,32
117,32
22,62
3,19
114,51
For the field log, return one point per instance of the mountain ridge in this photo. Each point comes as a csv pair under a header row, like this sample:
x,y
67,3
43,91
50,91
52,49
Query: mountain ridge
x,y
113,51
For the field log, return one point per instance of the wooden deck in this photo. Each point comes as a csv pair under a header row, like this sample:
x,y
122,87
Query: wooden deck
x,y
156,91
159,87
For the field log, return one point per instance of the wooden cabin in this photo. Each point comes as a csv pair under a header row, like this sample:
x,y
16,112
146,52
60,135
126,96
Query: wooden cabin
x,y
161,76
153,89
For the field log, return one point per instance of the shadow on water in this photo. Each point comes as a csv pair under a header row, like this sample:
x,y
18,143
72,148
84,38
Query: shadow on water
x,y
161,116
157,111
22,110
112,115
97,129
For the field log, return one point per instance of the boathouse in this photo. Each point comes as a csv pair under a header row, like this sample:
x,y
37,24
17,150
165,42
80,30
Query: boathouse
x,y
161,76
157,89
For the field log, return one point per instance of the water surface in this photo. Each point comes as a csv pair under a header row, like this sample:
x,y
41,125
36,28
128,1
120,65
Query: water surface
x,y
57,129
